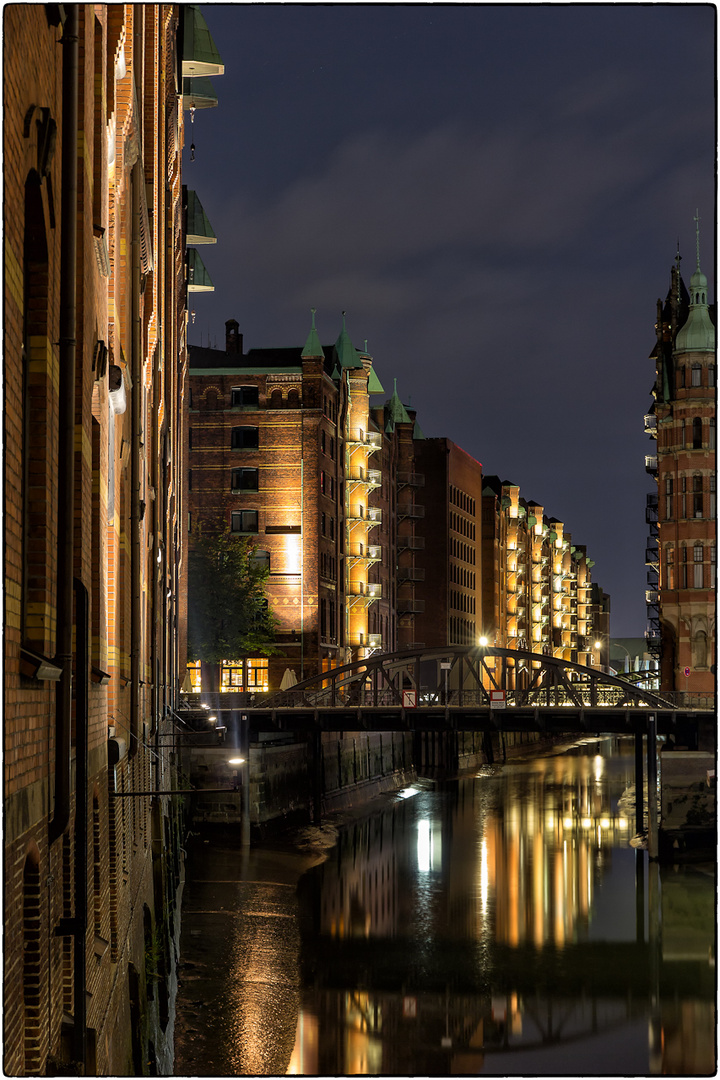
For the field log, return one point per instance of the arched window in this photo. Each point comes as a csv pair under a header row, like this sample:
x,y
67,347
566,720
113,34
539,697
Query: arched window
x,y
697,433
699,649
276,399
698,566
697,496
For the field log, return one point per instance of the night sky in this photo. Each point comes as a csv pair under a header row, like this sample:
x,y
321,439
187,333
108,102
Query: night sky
x,y
495,195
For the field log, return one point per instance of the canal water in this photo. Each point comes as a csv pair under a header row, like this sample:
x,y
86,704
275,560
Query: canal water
x,y
501,924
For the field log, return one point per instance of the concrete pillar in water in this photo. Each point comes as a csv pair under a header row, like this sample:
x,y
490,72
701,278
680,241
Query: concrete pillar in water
x,y
639,781
652,788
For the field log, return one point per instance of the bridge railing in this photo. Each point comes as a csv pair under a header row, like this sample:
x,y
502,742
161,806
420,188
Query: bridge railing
x,y
355,696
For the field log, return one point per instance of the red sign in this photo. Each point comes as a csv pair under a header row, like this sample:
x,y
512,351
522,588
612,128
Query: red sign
x,y
687,672
497,699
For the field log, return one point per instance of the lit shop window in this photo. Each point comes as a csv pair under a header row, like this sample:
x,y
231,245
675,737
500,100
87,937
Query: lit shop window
x,y
193,674
250,674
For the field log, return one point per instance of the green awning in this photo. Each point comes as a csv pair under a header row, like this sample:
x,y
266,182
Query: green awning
x,y
198,279
198,94
198,229
199,53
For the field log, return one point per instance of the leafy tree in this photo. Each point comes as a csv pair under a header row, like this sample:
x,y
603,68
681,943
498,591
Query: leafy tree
x,y
228,614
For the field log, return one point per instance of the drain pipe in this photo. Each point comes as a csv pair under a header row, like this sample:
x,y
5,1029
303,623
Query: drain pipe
x,y
137,436
66,424
82,608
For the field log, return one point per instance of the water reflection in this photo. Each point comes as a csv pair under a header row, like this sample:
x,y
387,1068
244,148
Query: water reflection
x,y
503,924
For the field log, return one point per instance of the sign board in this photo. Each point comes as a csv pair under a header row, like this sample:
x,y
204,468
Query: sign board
x,y
687,672
497,699
444,666
409,699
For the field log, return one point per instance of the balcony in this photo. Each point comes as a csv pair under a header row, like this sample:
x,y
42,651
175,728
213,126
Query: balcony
x,y
362,594
652,596
365,641
372,440
368,553
411,479
411,543
410,573
372,515
410,607
411,510
651,424
370,478
651,463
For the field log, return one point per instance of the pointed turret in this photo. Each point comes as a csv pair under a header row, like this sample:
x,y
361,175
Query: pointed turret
x,y
698,333
347,354
313,349
395,411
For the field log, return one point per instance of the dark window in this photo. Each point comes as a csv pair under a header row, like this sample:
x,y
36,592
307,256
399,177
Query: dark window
x,y
711,434
189,397
189,479
244,480
711,375
696,375
244,438
322,482
322,441
697,496
190,445
322,524
244,521
243,395
697,433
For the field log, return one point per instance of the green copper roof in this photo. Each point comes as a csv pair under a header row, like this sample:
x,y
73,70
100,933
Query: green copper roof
x,y
199,54
198,94
198,279
698,333
198,229
313,348
346,351
417,431
374,384
395,409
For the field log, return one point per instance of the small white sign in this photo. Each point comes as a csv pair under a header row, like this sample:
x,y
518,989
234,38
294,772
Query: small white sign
x,y
409,699
497,699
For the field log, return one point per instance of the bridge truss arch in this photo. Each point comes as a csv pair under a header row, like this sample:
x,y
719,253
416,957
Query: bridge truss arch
x,y
465,676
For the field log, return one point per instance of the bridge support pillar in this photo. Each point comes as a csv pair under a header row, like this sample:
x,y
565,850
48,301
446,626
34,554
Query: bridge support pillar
x,y
639,780
652,788
316,769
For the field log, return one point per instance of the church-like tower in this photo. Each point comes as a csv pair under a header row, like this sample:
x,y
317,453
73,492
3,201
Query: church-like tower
x,y
684,412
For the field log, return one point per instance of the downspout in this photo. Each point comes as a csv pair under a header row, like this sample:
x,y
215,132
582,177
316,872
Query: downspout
x,y
81,825
66,424
137,435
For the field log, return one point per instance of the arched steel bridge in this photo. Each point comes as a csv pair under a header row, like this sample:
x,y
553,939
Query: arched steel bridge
x,y
463,688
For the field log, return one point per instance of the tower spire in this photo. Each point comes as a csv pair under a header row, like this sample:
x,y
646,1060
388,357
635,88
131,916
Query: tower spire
x,y
696,219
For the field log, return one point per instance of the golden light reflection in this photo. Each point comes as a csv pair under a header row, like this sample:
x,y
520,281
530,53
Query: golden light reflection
x,y
304,1060
292,554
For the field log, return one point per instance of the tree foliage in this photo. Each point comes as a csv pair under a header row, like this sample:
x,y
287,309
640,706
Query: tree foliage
x,y
228,614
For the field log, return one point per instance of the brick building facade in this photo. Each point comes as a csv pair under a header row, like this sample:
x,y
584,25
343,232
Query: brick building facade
x,y
682,421
94,532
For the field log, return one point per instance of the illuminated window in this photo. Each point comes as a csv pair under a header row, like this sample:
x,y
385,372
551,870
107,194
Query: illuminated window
x,y
193,673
